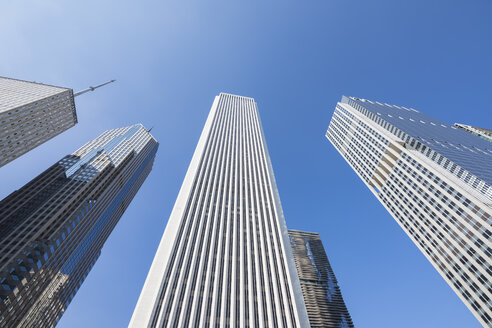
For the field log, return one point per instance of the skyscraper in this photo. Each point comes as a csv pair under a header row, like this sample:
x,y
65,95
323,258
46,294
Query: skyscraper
x,y
434,179
52,229
479,132
31,114
225,257
322,295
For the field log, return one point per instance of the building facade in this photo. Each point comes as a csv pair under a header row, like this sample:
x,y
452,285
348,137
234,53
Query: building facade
x,y
322,295
225,258
31,114
479,132
435,180
52,229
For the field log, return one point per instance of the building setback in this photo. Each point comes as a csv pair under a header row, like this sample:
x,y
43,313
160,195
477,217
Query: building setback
x,y
479,132
322,295
435,180
31,114
52,229
225,257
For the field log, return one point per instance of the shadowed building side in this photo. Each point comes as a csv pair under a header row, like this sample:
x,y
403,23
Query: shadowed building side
x,y
52,230
322,295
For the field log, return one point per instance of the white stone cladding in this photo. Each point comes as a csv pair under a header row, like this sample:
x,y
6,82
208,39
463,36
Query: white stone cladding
x,y
225,258
447,217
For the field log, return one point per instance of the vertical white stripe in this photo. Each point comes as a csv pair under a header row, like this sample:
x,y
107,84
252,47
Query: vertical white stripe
x,y
229,216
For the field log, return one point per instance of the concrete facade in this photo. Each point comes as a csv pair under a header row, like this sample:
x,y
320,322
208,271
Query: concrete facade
x,y
31,114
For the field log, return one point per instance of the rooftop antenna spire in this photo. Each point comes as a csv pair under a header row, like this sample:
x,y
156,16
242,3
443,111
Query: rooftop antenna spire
x,y
92,88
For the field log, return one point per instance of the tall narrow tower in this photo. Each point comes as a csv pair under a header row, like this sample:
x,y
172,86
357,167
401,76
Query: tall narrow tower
x,y
31,114
52,229
225,257
324,302
436,181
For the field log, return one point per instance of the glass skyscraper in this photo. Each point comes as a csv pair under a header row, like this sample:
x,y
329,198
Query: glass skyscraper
x,y
435,179
322,296
32,113
52,229
225,259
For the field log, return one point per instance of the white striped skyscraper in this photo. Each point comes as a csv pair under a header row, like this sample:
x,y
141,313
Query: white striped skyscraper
x,y
225,258
435,179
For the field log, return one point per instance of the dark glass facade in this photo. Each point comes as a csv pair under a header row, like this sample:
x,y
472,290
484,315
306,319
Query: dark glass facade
x,y
322,295
52,229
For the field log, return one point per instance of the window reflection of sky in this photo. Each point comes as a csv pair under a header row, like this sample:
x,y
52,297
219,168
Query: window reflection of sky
x,y
466,150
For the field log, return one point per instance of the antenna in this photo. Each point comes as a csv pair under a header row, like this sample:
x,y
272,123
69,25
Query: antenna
x,y
92,88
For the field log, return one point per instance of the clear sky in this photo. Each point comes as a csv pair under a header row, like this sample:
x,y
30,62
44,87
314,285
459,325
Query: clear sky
x,y
297,59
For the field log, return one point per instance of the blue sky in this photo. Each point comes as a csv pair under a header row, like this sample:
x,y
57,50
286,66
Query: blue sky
x,y
170,59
